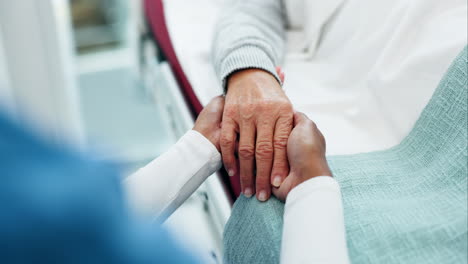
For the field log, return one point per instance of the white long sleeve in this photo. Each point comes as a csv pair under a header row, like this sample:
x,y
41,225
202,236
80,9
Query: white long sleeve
x,y
160,187
314,230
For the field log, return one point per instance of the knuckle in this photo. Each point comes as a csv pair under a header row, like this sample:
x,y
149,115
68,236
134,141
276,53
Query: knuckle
x,y
264,150
230,110
247,113
247,107
286,119
266,105
246,152
225,141
280,142
281,166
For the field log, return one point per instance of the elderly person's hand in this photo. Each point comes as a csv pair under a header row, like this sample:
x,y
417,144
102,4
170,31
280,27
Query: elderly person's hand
x,y
306,154
259,115
209,120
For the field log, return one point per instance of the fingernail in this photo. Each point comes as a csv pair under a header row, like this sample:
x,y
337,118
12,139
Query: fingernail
x,y
231,173
277,181
248,192
262,196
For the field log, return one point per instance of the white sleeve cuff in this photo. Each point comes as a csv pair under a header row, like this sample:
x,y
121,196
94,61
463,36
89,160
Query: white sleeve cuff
x,y
160,187
313,230
196,140
316,183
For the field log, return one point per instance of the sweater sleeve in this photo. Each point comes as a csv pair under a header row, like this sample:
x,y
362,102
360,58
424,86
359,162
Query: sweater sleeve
x,y
249,34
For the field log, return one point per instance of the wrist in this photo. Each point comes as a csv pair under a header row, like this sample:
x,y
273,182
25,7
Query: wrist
x,y
251,75
314,169
212,137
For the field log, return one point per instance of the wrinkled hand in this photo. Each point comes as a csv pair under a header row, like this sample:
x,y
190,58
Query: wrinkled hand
x,y
209,120
259,112
306,155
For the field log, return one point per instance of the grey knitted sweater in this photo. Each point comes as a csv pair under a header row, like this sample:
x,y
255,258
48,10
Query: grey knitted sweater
x,y
249,34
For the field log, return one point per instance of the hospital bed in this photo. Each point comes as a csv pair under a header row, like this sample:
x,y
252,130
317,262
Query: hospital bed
x,y
170,78
186,77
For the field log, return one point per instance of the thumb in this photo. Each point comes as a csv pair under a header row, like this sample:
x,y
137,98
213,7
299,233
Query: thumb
x,y
282,192
215,108
299,118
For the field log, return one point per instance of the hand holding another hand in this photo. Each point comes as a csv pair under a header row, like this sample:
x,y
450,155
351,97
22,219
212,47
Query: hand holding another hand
x,y
306,155
303,148
258,113
209,120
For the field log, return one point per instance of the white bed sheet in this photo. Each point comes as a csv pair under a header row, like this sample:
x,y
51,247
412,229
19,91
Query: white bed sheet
x,y
352,120
191,25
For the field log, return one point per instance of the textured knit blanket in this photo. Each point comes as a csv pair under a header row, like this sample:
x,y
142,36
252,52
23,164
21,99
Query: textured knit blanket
x,y
407,204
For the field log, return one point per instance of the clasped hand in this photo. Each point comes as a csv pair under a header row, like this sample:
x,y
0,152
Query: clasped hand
x,y
261,139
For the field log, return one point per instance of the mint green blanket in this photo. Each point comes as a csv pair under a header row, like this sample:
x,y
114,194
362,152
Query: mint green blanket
x,y
407,204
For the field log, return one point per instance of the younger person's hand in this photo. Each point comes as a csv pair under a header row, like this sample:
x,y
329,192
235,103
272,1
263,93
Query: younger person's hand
x,y
209,120
306,155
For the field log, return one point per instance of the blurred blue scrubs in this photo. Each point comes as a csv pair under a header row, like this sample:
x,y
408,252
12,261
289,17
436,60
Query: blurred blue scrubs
x,y
57,206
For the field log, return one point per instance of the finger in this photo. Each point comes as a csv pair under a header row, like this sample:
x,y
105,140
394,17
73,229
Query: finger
x,y
264,159
280,159
228,144
247,157
215,107
282,192
213,112
216,100
281,75
278,70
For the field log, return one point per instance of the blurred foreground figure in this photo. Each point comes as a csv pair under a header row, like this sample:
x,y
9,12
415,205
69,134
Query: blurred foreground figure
x,y
60,207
